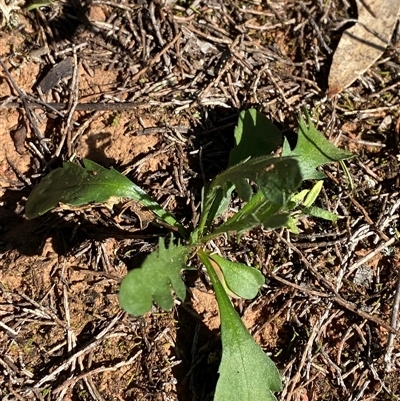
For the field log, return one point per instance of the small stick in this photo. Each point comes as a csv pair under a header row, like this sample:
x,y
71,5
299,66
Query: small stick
x,y
48,313
156,26
24,101
362,210
215,81
337,298
209,37
370,255
342,302
311,268
393,322
84,126
316,29
104,334
9,330
307,348
73,101
155,59
369,171
299,287
277,87
333,366
346,337
367,113
101,369
86,106
22,177
68,363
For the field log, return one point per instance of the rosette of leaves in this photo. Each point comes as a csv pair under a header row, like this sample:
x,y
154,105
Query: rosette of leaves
x,y
268,188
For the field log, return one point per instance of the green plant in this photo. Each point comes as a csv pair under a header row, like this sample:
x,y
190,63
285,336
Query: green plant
x,y
41,3
267,187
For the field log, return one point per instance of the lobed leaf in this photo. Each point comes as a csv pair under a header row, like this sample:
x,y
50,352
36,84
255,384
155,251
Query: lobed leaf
x,y
250,160
153,281
276,177
313,150
255,136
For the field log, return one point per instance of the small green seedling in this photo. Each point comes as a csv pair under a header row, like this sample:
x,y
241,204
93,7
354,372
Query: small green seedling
x,y
268,188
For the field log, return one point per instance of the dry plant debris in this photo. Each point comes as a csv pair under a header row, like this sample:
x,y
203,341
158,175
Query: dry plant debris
x,y
364,43
7,8
154,91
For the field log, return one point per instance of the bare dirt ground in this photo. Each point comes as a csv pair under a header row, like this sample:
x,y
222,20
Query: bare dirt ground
x,y
154,90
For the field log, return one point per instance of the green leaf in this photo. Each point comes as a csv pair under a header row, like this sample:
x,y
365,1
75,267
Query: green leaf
x,y
299,197
213,204
74,185
38,4
244,281
313,150
276,177
263,219
256,203
313,194
258,211
159,273
246,373
280,182
296,199
209,206
255,136
291,225
320,213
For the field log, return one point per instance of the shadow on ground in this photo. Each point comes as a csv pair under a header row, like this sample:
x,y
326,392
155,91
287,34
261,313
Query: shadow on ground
x,y
199,349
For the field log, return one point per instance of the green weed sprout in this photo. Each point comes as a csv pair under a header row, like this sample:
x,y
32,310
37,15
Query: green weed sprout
x,y
268,188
